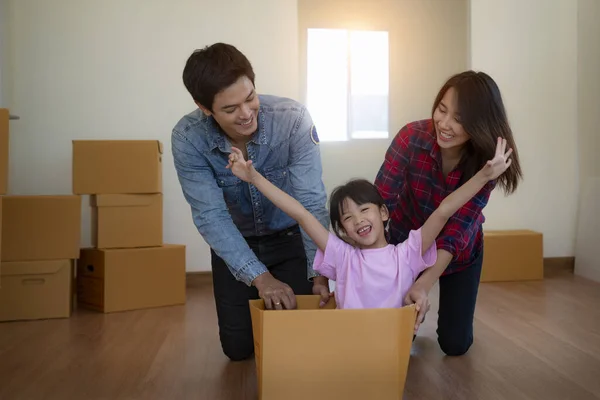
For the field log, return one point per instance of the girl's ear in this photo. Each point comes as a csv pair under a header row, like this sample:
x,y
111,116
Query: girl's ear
x,y
385,215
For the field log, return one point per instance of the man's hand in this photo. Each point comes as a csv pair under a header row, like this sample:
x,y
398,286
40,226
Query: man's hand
x,y
321,288
276,294
418,295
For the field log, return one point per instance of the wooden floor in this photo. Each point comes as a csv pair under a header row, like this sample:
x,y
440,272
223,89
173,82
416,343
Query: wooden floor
x,y
538,340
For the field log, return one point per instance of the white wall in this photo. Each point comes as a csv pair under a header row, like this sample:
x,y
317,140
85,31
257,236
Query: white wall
x,y
587,262
112,70
530,49
4,31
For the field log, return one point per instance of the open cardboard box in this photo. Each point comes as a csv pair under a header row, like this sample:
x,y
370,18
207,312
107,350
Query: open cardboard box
x,y
340,354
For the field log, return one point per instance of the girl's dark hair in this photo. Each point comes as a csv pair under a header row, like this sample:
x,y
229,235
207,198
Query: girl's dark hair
x,y
483,118
213,69
360,191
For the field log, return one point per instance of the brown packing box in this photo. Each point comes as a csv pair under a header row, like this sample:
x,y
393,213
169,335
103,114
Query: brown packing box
x,y
36,290
110,280
37,228
127,220
117,166
512,255
342,354
4,143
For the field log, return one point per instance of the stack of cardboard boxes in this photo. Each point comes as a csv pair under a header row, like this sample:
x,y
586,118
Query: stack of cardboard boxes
x,y
39,245
128,266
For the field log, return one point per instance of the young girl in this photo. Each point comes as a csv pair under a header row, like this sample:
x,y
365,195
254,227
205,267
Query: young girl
x,y
372,274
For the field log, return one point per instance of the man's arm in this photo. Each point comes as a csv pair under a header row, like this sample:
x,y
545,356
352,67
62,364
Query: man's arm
x,y
306,178
209,212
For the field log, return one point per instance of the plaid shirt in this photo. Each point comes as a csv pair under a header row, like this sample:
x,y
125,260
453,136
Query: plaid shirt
x,y
412,184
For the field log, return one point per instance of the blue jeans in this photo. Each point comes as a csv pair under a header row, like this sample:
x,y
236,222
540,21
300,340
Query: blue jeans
x,y
284,256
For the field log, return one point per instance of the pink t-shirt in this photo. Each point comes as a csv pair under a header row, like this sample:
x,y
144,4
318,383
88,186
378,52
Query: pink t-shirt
x,y
373,278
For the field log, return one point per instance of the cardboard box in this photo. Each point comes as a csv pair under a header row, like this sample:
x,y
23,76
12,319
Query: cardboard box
x,y
117,166
37,228
36,290
110,280
4,145
343,354
127,220
512,255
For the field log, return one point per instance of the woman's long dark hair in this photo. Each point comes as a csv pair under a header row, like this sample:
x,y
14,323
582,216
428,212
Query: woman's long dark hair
x,y
483,118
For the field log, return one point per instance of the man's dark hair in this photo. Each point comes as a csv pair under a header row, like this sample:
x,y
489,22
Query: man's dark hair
x,y
212,69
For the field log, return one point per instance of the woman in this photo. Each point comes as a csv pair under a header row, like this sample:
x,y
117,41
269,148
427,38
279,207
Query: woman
x,y
428,160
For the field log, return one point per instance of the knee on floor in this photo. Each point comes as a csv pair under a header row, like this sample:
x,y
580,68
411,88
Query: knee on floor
x,y
238,354
237,351
453,347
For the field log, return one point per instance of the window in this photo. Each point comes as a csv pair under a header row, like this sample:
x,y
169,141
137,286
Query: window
x,y
348,83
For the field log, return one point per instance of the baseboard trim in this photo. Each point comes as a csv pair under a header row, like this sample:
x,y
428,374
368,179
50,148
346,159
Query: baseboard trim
x,y
559,264
552,265
198,278
199,273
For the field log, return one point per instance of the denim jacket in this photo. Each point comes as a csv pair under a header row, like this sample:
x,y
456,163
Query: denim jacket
x,y
224,208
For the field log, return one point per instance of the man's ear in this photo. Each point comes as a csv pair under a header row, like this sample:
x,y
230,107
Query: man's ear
x,y
205,110
385,214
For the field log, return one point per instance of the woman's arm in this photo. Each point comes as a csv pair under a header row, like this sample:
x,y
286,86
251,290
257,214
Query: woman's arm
x,y
448,207
457,199
245,171
430,276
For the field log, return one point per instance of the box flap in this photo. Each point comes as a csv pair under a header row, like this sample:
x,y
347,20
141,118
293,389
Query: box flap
x,y
304,302
49,267
122,200
160,147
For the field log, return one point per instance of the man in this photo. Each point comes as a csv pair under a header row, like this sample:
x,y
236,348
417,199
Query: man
x,y
256,249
